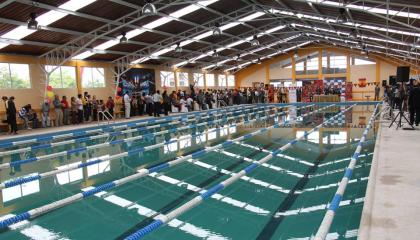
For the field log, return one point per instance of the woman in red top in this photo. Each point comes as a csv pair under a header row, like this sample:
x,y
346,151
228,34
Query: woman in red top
x,y
65,107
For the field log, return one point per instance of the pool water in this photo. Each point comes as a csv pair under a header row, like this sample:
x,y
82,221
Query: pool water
x,y
284,199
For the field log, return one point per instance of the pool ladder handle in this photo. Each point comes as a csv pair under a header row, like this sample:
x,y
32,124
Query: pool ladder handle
x,y
106,115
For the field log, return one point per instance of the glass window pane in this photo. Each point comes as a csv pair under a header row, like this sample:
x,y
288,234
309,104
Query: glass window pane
x,y
167,79
231,80
19,76
68,77
182,79
93,77
222,81
198,79
5,76
210,80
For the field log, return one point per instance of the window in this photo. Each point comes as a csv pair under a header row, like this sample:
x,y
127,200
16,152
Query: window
x,y
222,81
332,63
93,77
359,61
201,138
182,79
210,80
21,190
14,76
223,131
62,77
69,176
312,137
198,79
167,79
231,81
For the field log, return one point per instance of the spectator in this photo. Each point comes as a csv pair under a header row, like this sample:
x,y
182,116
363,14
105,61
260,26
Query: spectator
x,y
5,99
80,107
377,90
94,105
58,111
149,104
23,114
89,107
110,106
11,115
45,113
157,100
65,107
73,104
85,105
141,103
166,103
127,105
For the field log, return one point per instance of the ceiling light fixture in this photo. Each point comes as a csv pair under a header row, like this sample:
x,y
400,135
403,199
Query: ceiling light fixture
x,y
295,55
254,41
215,54
259,61
32,23
123,38
149,9
238,58
217,30
178,48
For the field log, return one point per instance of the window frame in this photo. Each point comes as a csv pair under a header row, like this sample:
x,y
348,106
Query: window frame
x,y
91,75
61,76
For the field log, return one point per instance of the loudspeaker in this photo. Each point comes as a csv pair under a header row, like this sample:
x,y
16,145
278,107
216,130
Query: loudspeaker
x,y
392,80
403,74
383,83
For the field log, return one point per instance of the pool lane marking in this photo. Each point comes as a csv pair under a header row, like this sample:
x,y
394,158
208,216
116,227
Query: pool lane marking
x,y
278,155
116,126
317,207
219,197
147,212
33,213
32,231
266,165
326,223
113,134
104,158
216,188
111,143
143,172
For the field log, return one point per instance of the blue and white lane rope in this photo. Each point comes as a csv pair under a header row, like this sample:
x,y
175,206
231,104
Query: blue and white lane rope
x,y
111,143
163,219
324,228
137,123
140,174
118,133
105,158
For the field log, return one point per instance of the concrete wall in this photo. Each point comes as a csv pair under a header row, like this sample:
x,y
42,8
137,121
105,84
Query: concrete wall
x,y
257,76
277,72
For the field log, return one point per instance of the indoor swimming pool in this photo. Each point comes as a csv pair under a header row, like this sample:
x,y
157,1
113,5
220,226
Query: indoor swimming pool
x,y
244,172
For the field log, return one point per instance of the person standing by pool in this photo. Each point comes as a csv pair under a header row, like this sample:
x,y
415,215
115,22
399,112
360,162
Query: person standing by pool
x,y
80,107
65,107
4,98
127,105
110,106
58,111
11,115
157,101
45,112
377,90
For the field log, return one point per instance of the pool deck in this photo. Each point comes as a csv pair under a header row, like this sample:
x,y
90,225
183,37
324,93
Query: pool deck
x,y
391,209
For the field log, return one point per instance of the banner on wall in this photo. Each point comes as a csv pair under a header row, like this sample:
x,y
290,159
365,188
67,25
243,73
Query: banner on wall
x,y
137,81
349,91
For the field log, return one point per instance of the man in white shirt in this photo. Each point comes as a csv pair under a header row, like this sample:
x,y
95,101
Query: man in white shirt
x,y
157,100
127,105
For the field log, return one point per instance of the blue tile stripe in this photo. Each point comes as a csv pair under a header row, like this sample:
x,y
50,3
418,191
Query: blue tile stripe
x,y
212,191
146,230
97,189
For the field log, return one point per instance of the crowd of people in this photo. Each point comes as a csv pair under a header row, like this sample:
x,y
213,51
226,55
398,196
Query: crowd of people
x,y
406,98
85,108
